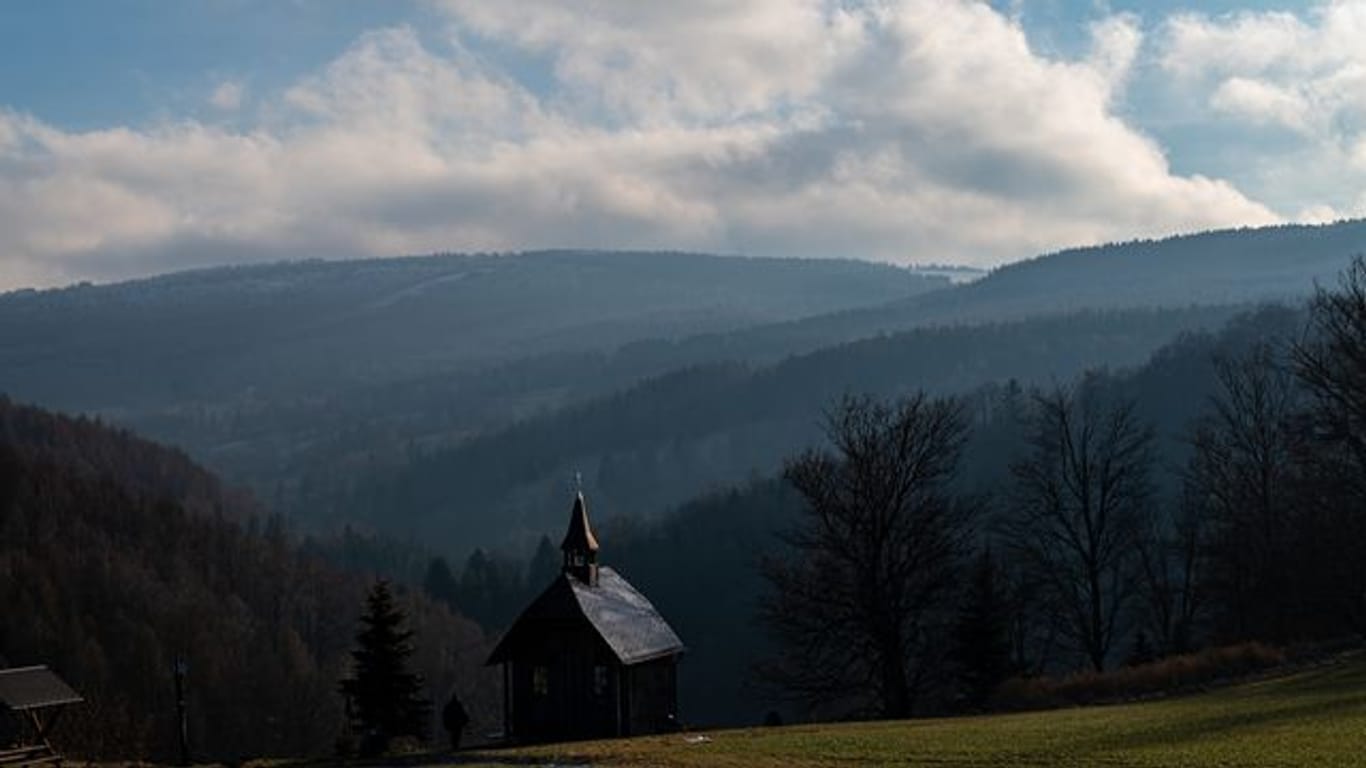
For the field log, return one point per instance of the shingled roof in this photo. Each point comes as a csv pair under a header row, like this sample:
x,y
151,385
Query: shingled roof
x,y
622,617
26,688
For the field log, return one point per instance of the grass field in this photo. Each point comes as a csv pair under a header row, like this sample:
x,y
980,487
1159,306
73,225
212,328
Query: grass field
x,y
1314,718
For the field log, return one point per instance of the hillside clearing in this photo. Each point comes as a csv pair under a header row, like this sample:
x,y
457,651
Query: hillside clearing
x,y
1310,718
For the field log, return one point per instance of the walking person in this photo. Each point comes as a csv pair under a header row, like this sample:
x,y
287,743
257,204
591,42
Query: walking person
x,y
454,718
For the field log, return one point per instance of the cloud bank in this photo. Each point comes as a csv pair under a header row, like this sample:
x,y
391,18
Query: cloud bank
x,y
907,131
1300,81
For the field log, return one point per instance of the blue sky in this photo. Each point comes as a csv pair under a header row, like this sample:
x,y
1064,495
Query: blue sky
x,y
86,64
138,136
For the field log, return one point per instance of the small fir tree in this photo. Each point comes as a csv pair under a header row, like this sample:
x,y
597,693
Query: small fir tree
x,y
384,698
440,583
544,567
982,635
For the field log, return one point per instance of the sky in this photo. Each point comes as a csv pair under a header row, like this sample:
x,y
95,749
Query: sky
x,y
139,137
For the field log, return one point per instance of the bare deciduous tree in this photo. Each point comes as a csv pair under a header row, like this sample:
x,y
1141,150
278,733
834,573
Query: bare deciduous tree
x,y
1331,361
855,604
1240,479
1171,557
1080,496
1331,364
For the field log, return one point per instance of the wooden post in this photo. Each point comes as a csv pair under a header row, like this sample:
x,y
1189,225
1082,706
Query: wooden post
x,y
181,667
39,732
46,729
507,701
624,702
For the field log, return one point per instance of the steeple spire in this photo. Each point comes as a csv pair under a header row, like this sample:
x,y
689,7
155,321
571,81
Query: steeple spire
x,y
580,547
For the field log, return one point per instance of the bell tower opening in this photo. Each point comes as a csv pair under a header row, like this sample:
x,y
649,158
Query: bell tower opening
x,y
580,547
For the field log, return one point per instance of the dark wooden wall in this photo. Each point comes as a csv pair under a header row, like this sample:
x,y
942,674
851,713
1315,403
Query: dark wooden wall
x,y
586,692
580,692
652,697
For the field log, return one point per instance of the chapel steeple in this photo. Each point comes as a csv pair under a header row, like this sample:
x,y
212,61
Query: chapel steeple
x,y
580,547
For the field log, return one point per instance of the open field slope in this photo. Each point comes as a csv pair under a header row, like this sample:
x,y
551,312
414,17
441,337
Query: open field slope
x,y
1314,718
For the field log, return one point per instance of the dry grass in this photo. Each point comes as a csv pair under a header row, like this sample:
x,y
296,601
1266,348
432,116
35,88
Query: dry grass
x,y
1316,717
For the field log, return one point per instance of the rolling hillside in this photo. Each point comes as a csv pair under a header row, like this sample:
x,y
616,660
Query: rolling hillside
x,y
319,384
275,444
655,445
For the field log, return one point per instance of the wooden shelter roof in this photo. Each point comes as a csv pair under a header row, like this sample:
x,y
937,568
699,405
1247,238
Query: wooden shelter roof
x,y
29,688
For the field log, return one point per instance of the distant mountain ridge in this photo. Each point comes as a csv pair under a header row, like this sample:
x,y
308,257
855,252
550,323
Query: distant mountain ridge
x,y
289,328
1237,266
1220,267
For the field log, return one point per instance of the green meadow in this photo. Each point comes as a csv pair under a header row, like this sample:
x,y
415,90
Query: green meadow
x,y
1312,718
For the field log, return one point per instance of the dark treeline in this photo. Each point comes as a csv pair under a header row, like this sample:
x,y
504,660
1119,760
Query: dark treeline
x,y
492,587
1208,497
1258,533
118,556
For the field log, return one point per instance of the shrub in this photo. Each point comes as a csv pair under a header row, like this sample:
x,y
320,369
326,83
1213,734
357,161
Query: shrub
x,y
1164,676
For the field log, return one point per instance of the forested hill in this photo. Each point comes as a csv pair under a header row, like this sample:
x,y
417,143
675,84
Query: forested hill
x,y
89,451
657,444
117,555
277,375
287,329
718,540
1222,267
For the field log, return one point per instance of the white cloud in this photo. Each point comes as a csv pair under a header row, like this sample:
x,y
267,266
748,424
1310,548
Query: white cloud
x,y
1115,43
1303,73
228,95
1263,103
915,130
1199,46
704,59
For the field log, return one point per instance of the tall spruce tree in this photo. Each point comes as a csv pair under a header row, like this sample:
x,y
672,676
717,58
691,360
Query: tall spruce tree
x,y
385,699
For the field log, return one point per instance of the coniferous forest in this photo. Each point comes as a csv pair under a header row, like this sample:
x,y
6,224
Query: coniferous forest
x,y
120,557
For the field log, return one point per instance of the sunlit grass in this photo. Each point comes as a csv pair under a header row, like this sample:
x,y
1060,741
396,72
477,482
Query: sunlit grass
x,y
1314,718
